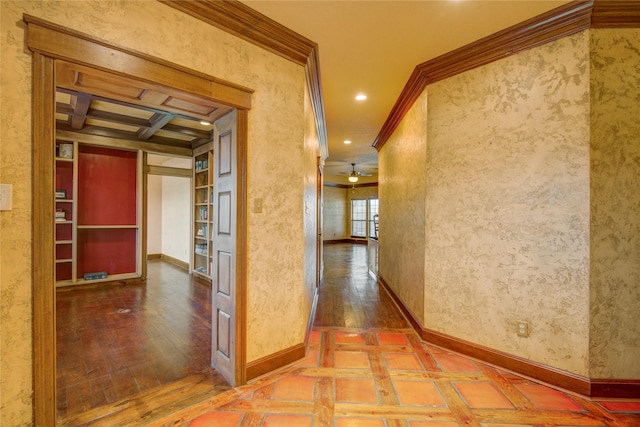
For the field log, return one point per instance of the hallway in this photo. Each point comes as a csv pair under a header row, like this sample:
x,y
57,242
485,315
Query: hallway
x,y
365,367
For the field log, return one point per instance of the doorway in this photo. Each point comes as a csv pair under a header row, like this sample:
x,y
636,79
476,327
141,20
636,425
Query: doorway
x,y
52,43
168,209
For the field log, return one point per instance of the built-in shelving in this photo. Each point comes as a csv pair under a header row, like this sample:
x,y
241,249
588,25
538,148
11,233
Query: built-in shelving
x,y
202,209
97,216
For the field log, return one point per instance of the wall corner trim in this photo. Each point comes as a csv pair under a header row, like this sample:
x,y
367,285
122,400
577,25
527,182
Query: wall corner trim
x,y
558,23
601,388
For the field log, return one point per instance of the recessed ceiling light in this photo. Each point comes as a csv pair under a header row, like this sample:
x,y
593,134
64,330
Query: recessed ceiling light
x,y
361,97
346,141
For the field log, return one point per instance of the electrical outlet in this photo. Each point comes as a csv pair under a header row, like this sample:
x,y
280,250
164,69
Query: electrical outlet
x,y
523,328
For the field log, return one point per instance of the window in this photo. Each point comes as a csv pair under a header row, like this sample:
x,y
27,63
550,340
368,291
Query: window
x,y
373,211
358,218
362,217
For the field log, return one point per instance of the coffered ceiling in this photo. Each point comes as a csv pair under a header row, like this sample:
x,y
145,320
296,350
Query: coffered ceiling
x,y
372,47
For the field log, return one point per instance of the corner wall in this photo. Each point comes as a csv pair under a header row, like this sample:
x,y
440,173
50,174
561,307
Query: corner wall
x,y
402,188
615,204
485,199
334,225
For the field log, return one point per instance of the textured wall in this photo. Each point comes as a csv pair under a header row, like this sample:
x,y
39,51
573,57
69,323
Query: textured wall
x,y
615,203
334,213
154,214
507,211
176,217
401,190
276,132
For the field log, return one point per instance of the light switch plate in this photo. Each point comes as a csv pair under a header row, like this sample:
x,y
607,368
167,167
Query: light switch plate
x,y
5,197
257,205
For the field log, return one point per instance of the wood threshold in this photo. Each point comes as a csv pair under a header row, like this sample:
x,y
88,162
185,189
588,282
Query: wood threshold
x,y
158,402
601,388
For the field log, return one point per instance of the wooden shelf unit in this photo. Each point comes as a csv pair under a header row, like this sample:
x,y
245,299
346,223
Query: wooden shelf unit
x,y
101,231
202,210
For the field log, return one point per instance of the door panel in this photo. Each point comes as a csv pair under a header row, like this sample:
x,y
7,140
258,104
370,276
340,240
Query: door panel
x,y
224,248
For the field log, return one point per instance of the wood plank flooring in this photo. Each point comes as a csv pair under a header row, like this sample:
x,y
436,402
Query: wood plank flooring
x,y
122,344
365,367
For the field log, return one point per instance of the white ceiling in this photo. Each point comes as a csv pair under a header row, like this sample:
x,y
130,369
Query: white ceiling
x,y
373,46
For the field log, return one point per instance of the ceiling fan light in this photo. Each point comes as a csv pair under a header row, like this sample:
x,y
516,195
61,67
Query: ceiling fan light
x,y
353,178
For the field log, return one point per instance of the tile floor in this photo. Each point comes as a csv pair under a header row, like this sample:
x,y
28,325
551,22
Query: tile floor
x,y
381,377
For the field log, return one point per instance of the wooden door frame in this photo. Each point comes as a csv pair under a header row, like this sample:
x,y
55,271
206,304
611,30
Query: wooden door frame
x,y
50,42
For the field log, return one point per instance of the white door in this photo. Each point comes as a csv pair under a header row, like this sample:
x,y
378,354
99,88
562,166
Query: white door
x,y
223,269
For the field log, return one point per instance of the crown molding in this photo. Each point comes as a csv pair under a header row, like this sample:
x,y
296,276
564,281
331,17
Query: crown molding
x,y
238,19
553,25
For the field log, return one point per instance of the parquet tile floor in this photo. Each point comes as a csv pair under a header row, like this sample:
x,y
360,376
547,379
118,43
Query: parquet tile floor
x,y
355,377
377,375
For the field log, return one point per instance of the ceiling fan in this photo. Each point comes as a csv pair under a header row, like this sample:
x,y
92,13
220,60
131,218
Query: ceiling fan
x,y
354,175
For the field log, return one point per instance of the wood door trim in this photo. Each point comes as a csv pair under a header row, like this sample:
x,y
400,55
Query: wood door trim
x,y
50,42
242,226
44,301
561,22
59,42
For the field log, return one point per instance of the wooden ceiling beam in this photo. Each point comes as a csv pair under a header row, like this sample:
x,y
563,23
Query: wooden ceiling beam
x,y
122,135
157,121
80,104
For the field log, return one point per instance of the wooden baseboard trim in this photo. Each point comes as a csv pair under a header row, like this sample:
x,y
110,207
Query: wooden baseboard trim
x,y
286,356
154,256
615,388
553,376
275,361
175,261
601,388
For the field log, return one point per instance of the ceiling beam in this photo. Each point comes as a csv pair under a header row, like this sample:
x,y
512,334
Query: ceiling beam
x,y
157,121
122,135
80,104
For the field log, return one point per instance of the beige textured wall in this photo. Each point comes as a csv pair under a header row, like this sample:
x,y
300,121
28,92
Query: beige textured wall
x,y
334,220
493,164
508,204
277,294
615,203
401,190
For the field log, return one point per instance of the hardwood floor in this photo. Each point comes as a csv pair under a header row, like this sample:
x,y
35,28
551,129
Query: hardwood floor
x,y
114,343
349,297
366,367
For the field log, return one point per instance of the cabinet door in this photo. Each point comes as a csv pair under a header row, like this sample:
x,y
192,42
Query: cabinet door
x,y
224,248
